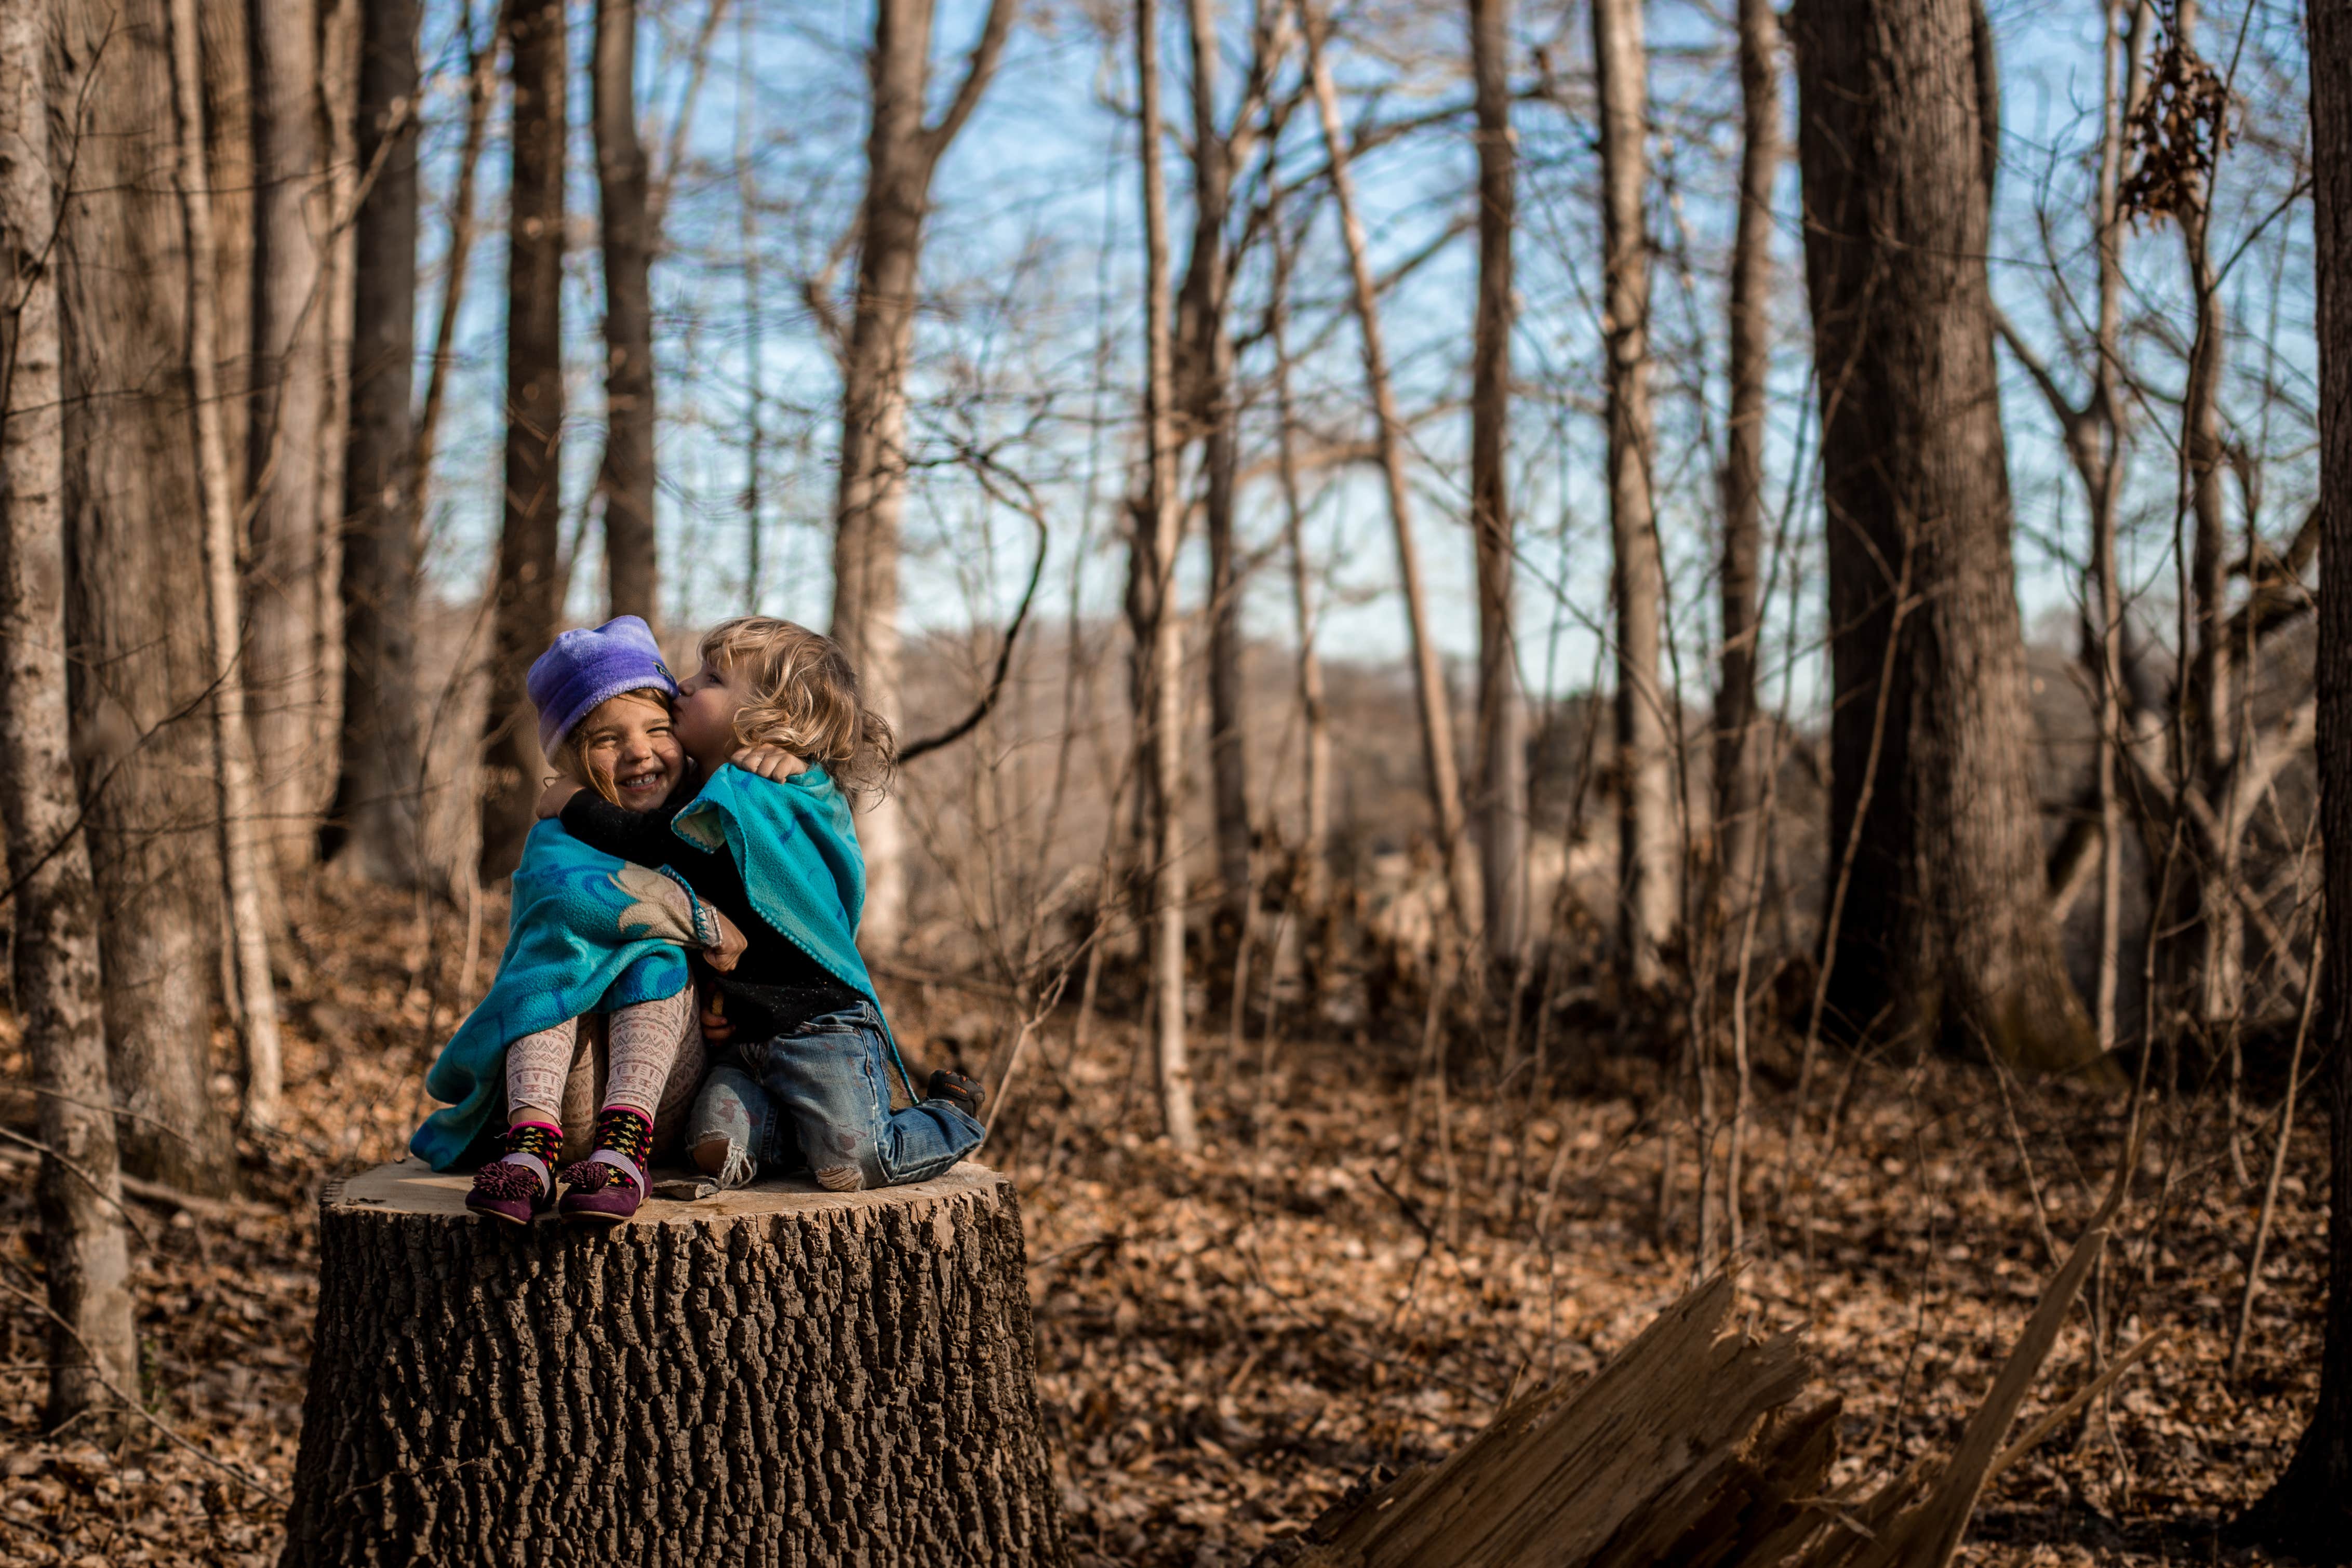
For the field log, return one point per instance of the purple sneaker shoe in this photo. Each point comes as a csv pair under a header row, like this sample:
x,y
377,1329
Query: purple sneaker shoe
x,y
607,1186
508,1190
601,1191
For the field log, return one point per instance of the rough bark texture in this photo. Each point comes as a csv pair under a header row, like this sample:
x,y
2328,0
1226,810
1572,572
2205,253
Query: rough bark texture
x,y
288,406
2310,1510
901,151
1738,778
372,829
627,479
526,588
1503,784
137,636
1945,933
769,1377
1646,851
55,950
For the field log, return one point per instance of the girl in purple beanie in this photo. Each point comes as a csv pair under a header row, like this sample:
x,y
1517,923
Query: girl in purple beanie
x,y
604,697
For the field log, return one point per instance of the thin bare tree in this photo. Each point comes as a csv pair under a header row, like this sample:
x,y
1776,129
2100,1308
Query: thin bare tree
x,y
1443,773
233,761
1739,781
1501,731
1647,893
902,151
1157,535
284,429
92,1343
1315,715
626,482
525,606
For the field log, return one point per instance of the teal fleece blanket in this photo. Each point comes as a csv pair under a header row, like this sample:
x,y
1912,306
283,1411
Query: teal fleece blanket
x,y
588,934
797,848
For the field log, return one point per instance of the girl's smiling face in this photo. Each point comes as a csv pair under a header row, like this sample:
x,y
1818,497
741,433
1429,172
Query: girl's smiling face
x,y
707,706
632,741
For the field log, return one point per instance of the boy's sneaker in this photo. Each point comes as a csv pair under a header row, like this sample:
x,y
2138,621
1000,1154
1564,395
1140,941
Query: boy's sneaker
x,y
964,1094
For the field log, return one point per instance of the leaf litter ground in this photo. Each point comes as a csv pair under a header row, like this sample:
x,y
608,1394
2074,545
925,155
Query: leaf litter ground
x,y
1356,1269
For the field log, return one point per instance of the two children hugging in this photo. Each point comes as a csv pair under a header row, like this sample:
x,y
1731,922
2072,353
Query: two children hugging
x,y
695,836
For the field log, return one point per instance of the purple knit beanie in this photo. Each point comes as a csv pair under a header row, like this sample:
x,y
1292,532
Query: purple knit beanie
x,y
583,667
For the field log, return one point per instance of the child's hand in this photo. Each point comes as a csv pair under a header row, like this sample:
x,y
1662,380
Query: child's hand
x,y
717,1028
556,796
772,763
731,946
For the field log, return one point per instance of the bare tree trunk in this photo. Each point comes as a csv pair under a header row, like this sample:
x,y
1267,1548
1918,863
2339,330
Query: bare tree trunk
x,y
373,829
1503,786
288,406
1647,860
2309,1511
1444,776
528,543
1206,395
59,1007
1315,718
140,671
338,95
1162,533
1946,933
901,151
627,481
1739,781
755,347
241,844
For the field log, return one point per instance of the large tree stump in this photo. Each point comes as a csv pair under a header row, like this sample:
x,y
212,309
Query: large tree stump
x,y
777,1375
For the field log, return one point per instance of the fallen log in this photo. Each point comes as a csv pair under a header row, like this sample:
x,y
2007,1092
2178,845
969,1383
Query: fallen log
x,y
1697,1445
774,1375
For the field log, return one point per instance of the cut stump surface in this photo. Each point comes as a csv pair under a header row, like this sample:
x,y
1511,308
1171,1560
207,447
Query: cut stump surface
x,y
773,1376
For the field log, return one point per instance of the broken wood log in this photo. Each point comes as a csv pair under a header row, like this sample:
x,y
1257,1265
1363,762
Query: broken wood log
x,y
773,1376
1697,1445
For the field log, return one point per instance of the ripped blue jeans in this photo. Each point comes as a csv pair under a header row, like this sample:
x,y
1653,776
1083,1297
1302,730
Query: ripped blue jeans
x,y
816,1098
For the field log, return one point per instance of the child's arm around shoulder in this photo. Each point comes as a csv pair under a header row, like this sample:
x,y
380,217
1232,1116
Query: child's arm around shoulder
x,y
772,763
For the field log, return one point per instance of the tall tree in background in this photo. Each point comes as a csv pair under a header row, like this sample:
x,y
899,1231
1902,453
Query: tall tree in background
x,y
288,406
1739,766
1942,925
1646,857
1159,533
627,481
241,844
1441,770
902,150
91,1341
2309,1511
137,636
1204,392
526,608
1502,789
372,828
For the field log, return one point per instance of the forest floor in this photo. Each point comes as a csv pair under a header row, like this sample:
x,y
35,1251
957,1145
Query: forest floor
x,y
1355,1269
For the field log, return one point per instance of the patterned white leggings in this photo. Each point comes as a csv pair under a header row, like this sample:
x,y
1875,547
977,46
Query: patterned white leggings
x,y
647,1056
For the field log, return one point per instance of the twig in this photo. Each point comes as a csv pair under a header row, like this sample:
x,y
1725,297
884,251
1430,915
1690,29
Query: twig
x,y
2278,1169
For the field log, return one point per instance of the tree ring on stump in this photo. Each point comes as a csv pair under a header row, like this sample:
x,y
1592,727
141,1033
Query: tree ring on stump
x,y
776,1375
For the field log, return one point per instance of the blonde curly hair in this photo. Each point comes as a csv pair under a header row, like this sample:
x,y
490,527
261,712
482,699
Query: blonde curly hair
x,y
802,696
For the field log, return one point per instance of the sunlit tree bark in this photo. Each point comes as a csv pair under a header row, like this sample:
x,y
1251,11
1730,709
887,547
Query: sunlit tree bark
x,y
85,1257
631,572
1945,932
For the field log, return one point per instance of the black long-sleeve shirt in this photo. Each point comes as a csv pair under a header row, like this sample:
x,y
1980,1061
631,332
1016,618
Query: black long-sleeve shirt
x,y
774,985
